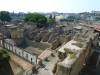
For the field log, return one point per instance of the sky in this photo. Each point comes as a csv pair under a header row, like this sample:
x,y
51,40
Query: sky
x,y
65,6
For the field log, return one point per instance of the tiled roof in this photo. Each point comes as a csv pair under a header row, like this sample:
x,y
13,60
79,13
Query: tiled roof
x,y
97,27
44,54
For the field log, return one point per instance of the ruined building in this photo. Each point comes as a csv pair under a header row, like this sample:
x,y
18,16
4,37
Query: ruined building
x,y
74,54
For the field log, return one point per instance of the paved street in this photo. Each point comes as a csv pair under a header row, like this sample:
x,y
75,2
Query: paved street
x,y
47,70
48,66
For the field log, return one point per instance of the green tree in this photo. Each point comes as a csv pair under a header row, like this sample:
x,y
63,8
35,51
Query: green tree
x,y
71,18
38,19
50,17
4,55
51,20
5,16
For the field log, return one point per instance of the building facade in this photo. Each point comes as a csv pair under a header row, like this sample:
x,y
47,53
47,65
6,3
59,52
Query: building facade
x,y
10,46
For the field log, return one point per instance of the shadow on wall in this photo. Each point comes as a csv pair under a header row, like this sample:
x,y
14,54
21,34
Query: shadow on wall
x,y
91,67
5,68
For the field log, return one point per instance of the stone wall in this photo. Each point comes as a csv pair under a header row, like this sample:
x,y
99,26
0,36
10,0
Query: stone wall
x,y
20,52
76,67
78,63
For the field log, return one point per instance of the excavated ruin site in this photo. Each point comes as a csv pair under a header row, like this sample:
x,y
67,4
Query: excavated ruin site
x,y
57,50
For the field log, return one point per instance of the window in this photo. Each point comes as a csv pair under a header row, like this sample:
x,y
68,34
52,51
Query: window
x,y
15,50
19,53
31,60
26,56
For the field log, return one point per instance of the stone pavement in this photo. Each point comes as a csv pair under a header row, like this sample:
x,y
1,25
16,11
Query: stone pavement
x,y
49,65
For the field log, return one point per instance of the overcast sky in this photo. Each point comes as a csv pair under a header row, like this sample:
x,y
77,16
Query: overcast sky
x,y
49,5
